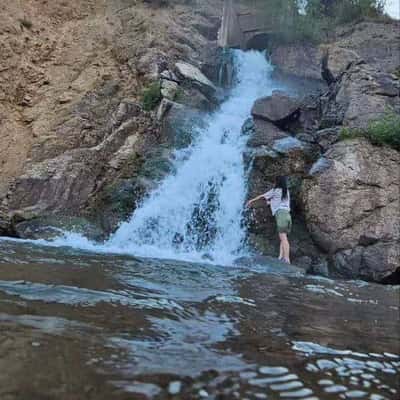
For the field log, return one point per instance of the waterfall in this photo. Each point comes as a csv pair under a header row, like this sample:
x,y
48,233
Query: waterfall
x,y
196,212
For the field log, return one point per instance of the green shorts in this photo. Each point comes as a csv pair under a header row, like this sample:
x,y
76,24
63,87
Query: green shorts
x,y
283,221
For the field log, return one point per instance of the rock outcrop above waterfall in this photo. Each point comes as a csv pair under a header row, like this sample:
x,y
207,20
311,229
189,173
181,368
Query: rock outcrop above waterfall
x,y
73,130
361,95
374,42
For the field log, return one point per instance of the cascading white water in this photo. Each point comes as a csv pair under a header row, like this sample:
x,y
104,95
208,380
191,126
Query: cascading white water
x,y
196,212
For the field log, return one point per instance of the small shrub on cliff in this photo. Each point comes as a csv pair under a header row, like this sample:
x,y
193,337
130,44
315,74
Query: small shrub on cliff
x,y
383,131
151,96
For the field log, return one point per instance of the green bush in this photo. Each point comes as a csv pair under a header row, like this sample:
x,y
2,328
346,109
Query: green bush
x,y
345,11
318,18
151,96
382,131
385,130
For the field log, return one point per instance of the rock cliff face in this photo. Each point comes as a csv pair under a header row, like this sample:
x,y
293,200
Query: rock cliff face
x,y
345,193
71,76
352,209
376,43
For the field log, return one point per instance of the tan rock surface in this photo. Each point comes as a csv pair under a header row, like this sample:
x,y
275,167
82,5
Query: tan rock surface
x,y
65,70
353,204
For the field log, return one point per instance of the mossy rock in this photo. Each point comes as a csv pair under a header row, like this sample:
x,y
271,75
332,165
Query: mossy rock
x,y
51,227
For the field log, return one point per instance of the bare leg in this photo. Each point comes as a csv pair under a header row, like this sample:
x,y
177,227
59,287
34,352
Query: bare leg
x,y
285,247
280,251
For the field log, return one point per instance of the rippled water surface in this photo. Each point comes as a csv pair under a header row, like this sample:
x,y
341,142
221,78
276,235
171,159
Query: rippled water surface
x,y
76,325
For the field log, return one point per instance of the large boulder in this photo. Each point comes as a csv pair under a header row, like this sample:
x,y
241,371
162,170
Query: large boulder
x,y
278,108
196,77
262,133
352,208
51,227
302,60
361,95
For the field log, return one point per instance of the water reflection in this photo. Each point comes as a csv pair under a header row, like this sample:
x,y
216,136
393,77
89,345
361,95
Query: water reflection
x,y
128,325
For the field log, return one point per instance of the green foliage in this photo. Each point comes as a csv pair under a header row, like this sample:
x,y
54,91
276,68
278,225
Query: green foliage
x,y
345,11
313,20
382,131
385,130
351,133
151,96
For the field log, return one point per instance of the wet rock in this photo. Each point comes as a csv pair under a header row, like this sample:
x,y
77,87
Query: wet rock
x,y
320,268
248,127
263,133
195,76
278,108
287,145
305,262
377,262
178,125
351,208
49,228
118,200
320,165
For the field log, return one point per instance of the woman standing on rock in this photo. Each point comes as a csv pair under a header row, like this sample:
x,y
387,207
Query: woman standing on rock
x,y
278,199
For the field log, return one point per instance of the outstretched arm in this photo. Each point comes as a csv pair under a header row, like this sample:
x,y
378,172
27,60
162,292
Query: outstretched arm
x,y
250,202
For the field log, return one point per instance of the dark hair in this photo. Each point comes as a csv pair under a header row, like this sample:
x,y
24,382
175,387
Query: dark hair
x,y
281,183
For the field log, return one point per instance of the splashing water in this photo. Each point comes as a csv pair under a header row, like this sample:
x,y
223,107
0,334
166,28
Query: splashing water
x,y
196,212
